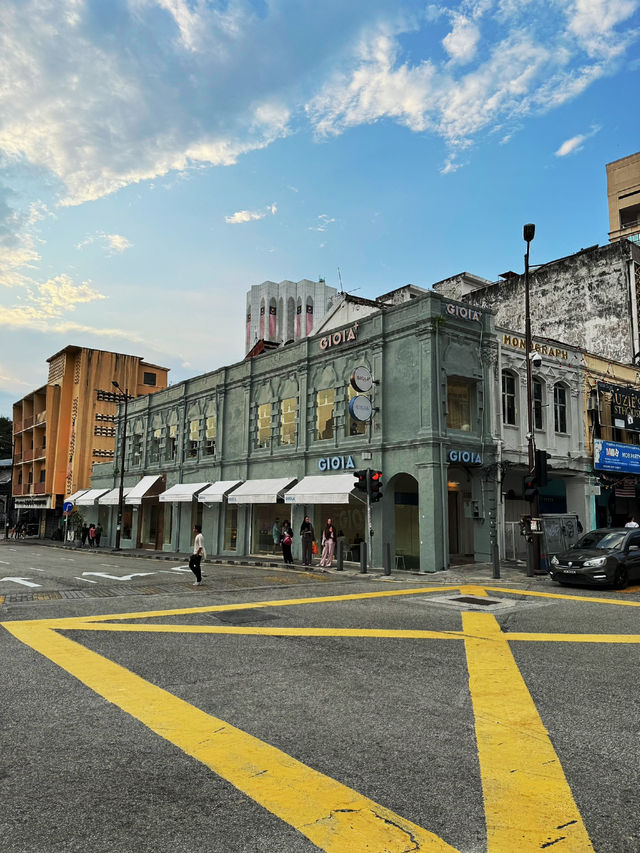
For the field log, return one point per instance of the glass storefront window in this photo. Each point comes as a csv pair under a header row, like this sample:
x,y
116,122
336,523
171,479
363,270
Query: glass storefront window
x,y
325,402
538,409
459,396
288,410
263,518
231,527
264,424
354,427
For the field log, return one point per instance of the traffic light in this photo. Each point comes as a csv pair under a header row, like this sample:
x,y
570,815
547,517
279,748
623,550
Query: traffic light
x,y
361,480
542,475
530,488
375,483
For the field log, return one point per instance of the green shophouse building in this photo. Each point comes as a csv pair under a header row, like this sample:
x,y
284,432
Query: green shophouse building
x,y
272,437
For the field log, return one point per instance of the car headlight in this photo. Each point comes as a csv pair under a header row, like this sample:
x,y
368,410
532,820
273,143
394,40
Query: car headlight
x,y
555,561
596,561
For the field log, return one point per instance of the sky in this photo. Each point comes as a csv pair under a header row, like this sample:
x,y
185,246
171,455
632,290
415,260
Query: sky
x,y
160,157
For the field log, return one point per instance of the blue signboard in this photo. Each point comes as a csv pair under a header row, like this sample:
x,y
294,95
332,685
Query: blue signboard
x,y
67,506
613,456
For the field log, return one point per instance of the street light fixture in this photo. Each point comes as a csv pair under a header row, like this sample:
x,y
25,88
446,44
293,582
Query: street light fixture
x,y
533,546
123,394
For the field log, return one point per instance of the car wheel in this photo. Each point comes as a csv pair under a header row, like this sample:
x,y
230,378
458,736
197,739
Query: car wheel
x,y
621,578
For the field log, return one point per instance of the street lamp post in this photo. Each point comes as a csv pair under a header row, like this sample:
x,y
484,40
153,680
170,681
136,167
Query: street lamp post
x,y
533,545
125,395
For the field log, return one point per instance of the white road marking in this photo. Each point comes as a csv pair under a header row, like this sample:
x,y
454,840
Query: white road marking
x,y
117,577
5,563
110,565
84,579
33,569
177,569
22,581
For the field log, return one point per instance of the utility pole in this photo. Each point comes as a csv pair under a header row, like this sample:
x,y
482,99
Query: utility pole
x,y
533,542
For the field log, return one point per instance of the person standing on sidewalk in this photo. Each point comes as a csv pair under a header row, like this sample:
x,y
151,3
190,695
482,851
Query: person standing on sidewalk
x,y
287,540
308,535
198,555
328,544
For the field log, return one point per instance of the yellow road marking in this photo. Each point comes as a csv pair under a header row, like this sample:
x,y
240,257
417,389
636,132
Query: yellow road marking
x,y
270,631
332,816
528,802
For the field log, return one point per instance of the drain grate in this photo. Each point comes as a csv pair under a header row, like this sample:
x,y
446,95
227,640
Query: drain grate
x,y
470,599
243,617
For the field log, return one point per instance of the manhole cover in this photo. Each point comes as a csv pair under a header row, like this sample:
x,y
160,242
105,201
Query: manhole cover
x,y
242,617
470,599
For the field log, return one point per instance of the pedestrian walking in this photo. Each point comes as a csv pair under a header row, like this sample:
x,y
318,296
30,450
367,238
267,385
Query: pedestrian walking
x,y
308,537
199,554
329,538
98,534
286,541
92,535
84,532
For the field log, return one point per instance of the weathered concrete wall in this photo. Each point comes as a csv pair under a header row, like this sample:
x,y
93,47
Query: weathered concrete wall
x,y
582,300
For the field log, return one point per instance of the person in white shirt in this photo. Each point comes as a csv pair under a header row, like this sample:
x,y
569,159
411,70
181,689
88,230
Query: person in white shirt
x,y
632,523
198,555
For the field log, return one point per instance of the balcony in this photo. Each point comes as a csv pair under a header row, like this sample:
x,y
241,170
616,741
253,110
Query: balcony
x,y
17,457
27,422
41,418
16,490
39,452
39,489
27,455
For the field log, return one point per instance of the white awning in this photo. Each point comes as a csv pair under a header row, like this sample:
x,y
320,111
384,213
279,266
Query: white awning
x,y
261,491
112,498
90,498
74,497
140,490
182,492
215,493
331,489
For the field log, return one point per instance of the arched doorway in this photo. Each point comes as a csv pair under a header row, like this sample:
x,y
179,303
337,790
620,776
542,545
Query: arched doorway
x,y
406,521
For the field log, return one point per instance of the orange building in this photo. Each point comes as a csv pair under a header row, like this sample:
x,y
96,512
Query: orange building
x,y
62,428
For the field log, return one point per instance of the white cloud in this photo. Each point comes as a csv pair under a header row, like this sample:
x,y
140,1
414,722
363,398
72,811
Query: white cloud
x,y
112,243
575,144
242,216
462,41
323,223
532,58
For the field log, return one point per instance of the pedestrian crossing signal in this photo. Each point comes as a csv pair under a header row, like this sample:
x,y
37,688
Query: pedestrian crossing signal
x,y
375,480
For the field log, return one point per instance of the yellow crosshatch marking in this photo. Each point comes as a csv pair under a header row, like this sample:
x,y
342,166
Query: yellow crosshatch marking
x,y
528,803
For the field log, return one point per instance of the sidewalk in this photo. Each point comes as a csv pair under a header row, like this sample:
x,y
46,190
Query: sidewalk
x,y
510,572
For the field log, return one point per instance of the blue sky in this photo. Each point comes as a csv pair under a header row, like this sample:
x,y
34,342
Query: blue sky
x,y
159,157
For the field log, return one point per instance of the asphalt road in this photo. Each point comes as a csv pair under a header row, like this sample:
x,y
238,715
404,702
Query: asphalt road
x,y
279,711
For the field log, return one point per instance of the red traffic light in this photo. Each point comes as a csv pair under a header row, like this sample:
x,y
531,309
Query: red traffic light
x,y
361,480
375,481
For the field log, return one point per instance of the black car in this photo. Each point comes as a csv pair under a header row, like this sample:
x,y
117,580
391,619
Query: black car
x,y
610,556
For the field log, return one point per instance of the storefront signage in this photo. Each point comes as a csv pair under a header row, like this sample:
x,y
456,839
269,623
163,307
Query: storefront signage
x,y
334,339
469,457
520,343
361,379
464,312
37,503
335,463
623,403
613,456
360,408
